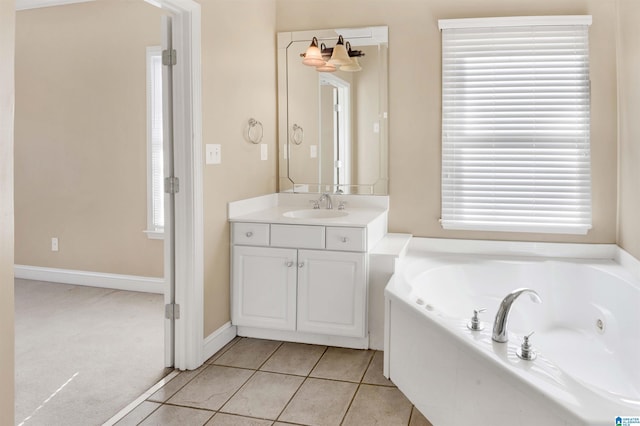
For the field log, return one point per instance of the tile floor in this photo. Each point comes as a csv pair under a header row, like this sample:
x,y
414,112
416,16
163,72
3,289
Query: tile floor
x,y
253,382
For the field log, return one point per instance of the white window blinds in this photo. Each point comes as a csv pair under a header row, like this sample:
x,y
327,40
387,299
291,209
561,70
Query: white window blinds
x,y
515,125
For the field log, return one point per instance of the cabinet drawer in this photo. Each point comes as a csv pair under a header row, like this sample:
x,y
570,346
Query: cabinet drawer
x,y
347,239
255,234
297,236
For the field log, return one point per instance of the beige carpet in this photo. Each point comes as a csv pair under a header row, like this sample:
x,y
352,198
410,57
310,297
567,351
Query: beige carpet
x,y
83,353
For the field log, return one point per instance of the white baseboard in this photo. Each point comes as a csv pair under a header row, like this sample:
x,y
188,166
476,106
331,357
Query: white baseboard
x,y
310,338
91,279
216,340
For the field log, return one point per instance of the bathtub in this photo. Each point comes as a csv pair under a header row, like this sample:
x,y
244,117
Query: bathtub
x,y
587,336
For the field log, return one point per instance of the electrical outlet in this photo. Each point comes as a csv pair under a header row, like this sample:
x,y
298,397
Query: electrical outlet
x,y
264,153
54,244
313,151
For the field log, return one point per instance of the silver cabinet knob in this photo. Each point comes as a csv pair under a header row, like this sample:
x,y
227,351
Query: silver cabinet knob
x,y
249,234
344,239
289,264
301,265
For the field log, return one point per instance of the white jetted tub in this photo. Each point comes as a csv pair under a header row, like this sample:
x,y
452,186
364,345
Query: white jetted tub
x,y
587,337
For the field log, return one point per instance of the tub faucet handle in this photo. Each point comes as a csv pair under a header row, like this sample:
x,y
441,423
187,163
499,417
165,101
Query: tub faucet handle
x,y
475,324
526,351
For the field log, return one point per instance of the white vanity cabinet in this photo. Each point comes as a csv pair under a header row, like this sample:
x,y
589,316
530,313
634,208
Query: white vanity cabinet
x,y
304,279
332,291
264,287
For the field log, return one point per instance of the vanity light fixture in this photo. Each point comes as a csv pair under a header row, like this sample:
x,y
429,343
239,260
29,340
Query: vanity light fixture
x,y
328,59
313,56
354,66
326,67
340,56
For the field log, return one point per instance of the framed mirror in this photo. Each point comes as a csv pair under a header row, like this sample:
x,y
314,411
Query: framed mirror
x,y
333,133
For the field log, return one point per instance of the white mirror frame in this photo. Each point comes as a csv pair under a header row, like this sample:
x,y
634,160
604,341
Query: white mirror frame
x,y
357,37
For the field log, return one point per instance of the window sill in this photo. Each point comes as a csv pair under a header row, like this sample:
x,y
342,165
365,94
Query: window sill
x,y
154,234
519,228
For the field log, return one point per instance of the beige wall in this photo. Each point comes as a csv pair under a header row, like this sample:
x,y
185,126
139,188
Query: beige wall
x,y
239,82
7,28
629,133
81,137
414,98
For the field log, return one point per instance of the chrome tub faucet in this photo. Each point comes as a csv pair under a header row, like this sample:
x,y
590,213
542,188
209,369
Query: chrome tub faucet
x,y
502,317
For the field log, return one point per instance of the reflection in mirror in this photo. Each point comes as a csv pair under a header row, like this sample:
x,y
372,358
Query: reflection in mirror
x,y
333,125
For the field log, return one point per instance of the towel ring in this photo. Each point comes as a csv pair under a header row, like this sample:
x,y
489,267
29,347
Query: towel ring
x,y
254,124
297,134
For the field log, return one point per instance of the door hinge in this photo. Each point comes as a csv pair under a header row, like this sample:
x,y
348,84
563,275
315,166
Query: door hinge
x,y
171,185
172,311
169,57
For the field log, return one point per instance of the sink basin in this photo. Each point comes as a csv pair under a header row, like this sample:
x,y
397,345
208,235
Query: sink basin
x,y
315,214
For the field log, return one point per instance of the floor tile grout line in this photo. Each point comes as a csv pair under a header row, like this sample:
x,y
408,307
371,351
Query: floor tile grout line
x,y
223,350
350,404
249,378
290,399
148,415
411,414
302,383
201,368
270,355
368,366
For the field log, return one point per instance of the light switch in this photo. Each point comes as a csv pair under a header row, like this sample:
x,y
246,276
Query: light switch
x,y
264,153
376,127
214,153
313,150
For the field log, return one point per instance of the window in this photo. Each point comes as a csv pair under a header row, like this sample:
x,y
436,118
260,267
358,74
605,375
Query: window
x,y
155,174
515,124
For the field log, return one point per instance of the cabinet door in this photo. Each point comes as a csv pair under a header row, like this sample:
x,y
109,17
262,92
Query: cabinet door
x,y
264,287
332,293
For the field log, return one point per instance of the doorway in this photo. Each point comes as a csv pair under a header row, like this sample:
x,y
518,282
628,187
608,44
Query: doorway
x,y
188,229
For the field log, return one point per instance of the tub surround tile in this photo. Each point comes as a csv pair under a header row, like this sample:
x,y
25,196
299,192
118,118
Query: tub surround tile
x,y
171,415
248,353
212,388
138,414
294,358
417,419
264,396
320,402
342,364
222,419
378,405
374,375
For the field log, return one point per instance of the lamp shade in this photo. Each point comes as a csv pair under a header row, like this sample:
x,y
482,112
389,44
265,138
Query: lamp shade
x,y
354,66
313,56
326,67
340,55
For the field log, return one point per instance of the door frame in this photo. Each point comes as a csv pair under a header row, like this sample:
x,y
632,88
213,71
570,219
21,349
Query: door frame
x,y
189,216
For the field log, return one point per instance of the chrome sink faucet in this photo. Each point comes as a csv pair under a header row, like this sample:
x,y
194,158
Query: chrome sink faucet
x,y
326,196
500,324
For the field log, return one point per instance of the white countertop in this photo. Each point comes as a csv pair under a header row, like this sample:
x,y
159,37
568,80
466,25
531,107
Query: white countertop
x,y
360,217
361,210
